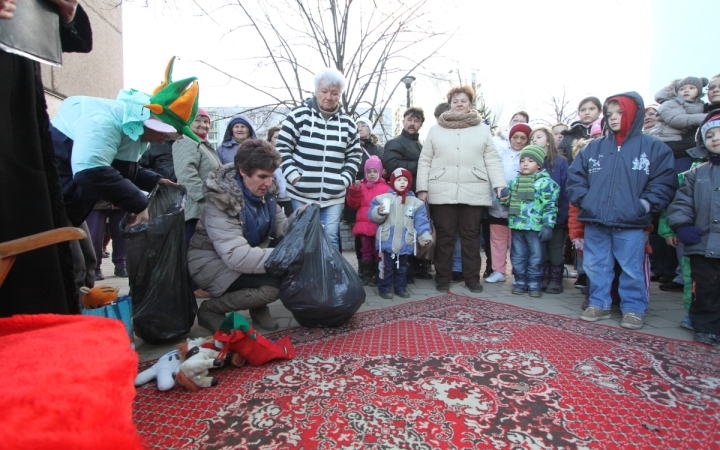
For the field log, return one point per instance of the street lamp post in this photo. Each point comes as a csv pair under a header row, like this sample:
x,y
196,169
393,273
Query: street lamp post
x,y
408,81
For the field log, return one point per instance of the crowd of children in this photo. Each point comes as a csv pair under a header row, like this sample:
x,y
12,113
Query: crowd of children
x,y
600,183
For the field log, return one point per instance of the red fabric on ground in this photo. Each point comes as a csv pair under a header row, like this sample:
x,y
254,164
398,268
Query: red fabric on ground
x,y
452,372
66,383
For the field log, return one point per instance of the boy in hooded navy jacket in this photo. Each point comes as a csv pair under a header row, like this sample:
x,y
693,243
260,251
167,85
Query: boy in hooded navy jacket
x,y
618,182
402,225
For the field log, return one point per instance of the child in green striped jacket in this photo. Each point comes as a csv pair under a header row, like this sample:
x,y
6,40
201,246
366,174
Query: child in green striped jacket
x,y
532,199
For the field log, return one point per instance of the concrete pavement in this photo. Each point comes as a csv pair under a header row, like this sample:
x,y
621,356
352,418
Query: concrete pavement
x,y
662,318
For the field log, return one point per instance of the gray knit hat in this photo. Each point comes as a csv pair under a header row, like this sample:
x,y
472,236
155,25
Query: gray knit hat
x,y
700,83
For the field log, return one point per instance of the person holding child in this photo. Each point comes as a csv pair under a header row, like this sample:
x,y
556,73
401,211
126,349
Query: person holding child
x,y
680,113
694,215
402,224
618,182
360,196
532,199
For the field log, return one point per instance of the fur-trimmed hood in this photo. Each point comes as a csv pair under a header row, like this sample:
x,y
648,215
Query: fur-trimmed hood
x,y
221,188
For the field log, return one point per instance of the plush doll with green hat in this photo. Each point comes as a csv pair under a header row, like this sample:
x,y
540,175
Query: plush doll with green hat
x,y
237,336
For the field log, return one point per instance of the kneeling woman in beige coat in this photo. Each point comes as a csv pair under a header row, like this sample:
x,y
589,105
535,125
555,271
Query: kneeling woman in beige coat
x,y
457,167
228,251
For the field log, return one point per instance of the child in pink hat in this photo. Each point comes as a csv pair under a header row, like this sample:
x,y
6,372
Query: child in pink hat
x,y
360,195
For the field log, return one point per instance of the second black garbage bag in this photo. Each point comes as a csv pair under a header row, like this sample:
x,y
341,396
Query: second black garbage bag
x,y
164,306
319,287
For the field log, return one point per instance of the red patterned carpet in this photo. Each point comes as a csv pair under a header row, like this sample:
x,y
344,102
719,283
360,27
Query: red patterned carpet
x,y
452,372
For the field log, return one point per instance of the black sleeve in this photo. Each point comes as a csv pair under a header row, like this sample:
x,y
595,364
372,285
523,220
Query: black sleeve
x,y
76,36
680,148
108,184
147,179
393,158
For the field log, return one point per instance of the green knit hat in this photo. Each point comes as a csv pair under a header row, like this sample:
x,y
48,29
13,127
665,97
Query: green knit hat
x,y
535,152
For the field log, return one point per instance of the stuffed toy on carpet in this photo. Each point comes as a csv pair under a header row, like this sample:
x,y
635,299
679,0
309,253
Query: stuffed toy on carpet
x,y
67,383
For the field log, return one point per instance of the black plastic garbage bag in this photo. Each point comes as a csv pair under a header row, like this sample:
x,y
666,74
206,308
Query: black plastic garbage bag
x,y
319,287
164,305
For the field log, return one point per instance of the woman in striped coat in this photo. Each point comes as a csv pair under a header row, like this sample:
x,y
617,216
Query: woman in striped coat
x,y
320,151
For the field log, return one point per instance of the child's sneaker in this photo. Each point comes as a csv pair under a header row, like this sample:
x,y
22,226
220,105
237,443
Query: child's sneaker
x,y
631,321
687,324
386,295
519,290
402,294
708,339
496,277
593,314
535,293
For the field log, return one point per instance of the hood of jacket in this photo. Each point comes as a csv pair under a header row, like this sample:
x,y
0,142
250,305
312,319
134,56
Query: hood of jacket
x,y
700,151
666,93
241,118
637,122
223,191
313,104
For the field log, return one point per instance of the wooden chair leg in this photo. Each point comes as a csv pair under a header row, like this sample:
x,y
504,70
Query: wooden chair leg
x,y
5,265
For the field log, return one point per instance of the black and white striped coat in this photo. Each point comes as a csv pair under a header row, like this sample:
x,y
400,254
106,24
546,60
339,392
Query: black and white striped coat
x,y
324,154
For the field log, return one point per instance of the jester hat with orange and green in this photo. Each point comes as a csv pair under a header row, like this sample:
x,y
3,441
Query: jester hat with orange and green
x,y
176,102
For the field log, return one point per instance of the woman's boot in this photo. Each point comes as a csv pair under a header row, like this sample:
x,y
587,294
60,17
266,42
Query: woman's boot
x,y
212,311
556,276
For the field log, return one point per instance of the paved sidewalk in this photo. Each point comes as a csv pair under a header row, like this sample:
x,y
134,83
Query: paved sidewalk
x,y
662,318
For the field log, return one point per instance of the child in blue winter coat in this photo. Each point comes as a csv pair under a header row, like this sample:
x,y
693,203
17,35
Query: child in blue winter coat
x,y
402,224
618,182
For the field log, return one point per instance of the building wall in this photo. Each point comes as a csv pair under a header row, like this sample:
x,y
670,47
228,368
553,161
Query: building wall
x,y
98,73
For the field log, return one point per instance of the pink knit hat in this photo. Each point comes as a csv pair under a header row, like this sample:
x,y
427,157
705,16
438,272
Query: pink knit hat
x,y
373,163
202,112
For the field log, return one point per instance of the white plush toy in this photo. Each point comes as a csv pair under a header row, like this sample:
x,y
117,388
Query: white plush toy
x,y
193,373
166,367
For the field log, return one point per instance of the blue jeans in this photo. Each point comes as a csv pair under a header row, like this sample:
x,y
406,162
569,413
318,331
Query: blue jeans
x,y
527,258
457,252
457,256
330,218
603,246
391,274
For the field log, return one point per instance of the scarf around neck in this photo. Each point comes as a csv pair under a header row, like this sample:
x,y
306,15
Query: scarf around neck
x,y
455,120
714,158
523,191
257,216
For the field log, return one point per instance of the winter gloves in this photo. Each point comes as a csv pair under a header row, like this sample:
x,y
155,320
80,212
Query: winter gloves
x,y
689,234
545,234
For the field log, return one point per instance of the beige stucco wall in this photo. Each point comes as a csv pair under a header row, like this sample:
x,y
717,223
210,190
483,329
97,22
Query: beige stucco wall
x,y
98,73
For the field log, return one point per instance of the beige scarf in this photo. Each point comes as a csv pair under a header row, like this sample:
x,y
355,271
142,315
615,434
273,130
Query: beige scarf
x,y
454,120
